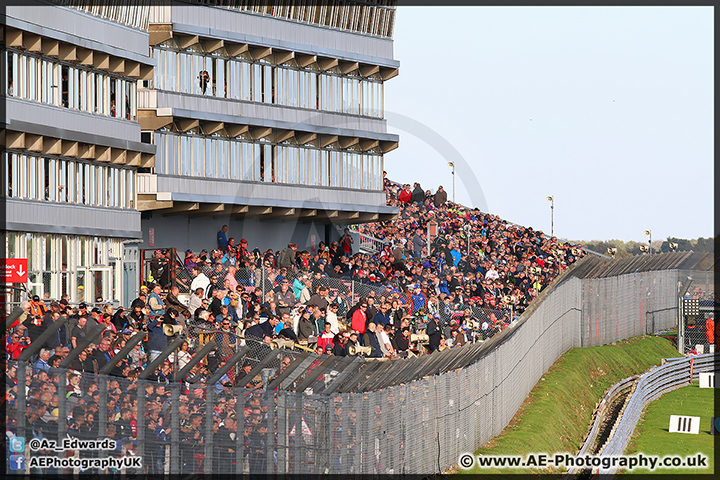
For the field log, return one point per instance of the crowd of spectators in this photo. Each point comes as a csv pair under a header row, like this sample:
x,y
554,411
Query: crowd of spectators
x,y
468,282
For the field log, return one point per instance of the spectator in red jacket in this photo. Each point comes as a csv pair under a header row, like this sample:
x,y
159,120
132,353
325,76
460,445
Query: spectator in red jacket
x,y
405,195
359,318
16,346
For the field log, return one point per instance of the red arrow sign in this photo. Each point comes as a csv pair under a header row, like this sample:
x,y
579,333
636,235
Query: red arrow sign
x,y
14,270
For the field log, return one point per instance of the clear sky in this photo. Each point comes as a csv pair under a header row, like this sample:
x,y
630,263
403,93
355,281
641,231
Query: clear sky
x,y
608,109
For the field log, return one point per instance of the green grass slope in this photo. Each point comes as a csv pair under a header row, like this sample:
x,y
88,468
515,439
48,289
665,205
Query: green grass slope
x,y
653,438
556,415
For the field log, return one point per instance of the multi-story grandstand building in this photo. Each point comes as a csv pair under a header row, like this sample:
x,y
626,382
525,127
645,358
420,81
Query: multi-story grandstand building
x,y
151,124
73,145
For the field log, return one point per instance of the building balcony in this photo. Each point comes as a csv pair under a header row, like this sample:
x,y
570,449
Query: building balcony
x,y
173,195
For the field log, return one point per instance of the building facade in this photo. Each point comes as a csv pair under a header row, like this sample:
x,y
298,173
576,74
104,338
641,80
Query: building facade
x,y
73,147
138,124
266,118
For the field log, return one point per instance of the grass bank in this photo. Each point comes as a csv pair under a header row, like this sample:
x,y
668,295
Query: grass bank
x,y
556,415
652,436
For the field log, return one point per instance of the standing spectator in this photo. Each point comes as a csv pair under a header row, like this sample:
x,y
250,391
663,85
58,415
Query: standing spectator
x,y
345,243
405,195
285,297
59,338
332,319
37,307
418,194
222,240
195,300
200,280
257,448
418,242
287,256
157,341
359,318
305,326
440,197
79,332
434,333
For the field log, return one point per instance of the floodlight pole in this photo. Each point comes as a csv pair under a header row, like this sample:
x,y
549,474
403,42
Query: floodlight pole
x,y
551,199
452,165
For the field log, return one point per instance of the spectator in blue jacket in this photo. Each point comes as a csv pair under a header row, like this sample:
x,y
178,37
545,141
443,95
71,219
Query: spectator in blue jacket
x,y
157,340
222,240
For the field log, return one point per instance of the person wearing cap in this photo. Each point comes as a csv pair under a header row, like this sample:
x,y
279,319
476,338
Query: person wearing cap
x,y
305,326
37,306
242,251
359,317
440,197
433,332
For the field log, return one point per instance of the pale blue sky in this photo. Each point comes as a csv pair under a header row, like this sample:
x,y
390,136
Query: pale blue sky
x,y
609,109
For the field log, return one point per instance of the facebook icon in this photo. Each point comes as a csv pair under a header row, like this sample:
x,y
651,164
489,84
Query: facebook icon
x,y
17,462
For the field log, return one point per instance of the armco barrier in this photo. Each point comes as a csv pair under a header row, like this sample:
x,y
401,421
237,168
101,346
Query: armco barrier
x,y
651,386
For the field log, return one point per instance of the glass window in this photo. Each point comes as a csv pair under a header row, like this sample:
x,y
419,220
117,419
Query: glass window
x,y
130,188
184,73
198,157
219,84
185,154
257,168
110,188
7,173
32,177
160,157
122,189
209,157
50,185
71,186
256,85
222,146
172,155
324,167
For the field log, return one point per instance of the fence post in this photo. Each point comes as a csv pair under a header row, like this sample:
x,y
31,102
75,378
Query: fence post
x,y
62,408
262,275
141,429
282,431
209,403
270,436
240,436
103,408
174,429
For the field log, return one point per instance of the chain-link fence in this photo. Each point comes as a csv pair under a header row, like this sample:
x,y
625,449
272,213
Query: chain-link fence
x,y
258,409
